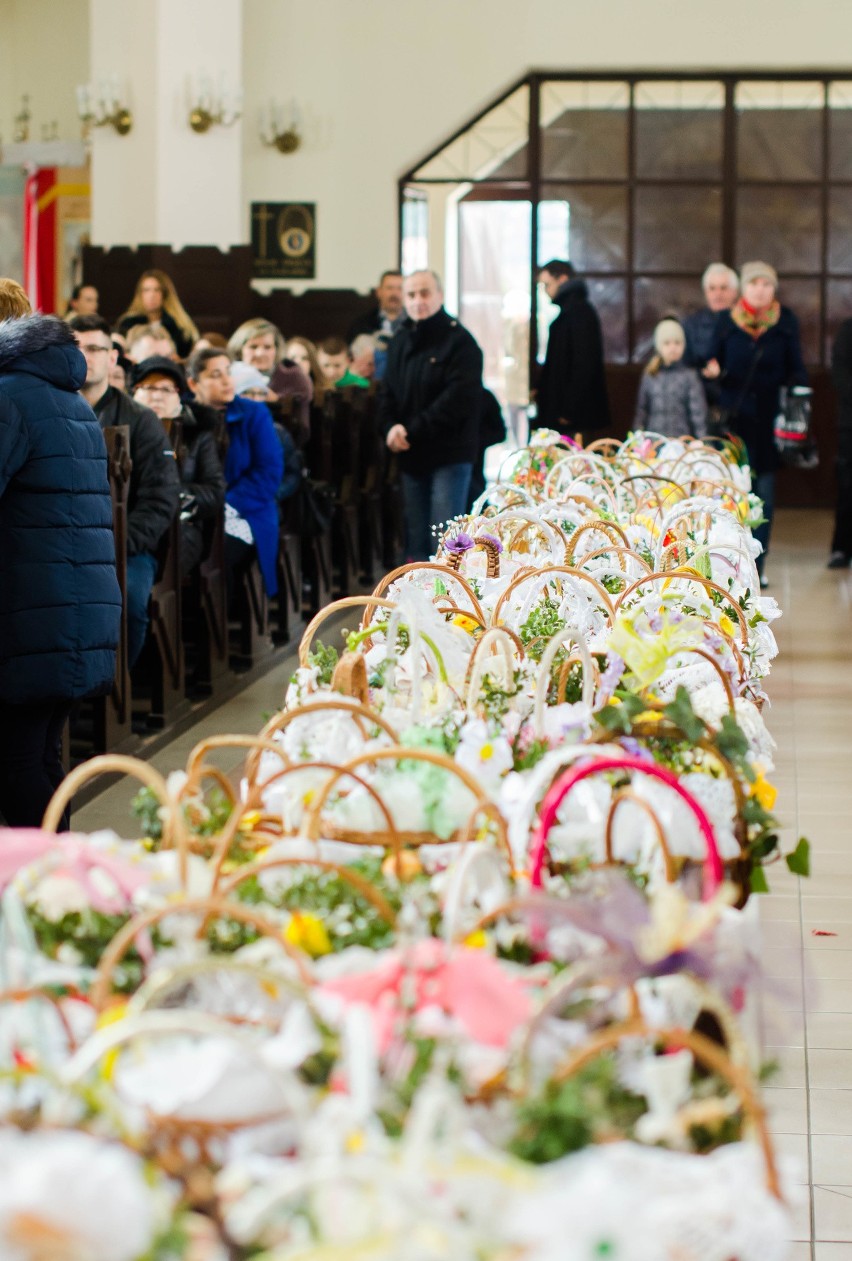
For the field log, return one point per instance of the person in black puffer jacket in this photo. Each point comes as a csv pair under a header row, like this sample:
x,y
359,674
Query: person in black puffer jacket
x,y
429,404
60,603
154,485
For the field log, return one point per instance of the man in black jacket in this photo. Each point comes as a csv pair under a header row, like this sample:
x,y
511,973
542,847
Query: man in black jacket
x,y
154,484
429,410
571,394
841,373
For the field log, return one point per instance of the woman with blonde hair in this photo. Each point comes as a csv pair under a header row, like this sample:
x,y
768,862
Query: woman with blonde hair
x,y
156,302
260,344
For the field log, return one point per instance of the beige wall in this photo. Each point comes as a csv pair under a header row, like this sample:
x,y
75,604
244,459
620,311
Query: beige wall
x,y
44,51
383,81
380,82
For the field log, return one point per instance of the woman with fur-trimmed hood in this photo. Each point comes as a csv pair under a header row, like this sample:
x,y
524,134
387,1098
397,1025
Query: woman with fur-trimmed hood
x,y
60,603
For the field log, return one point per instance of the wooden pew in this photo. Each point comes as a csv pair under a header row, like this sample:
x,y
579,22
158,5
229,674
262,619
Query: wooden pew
x,y
111,714
208,599
316,544
165,633
372,453
343,421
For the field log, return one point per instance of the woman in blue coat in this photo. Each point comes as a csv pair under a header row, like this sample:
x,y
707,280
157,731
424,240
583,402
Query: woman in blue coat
x,y
60,602
254,466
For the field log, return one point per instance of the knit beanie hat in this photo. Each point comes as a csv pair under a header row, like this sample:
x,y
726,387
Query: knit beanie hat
x,y
245,377
666,329
751,271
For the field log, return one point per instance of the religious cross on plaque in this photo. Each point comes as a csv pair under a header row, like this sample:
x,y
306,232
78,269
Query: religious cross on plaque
x,y
283,240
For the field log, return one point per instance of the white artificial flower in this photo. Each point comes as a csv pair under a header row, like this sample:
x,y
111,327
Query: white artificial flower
x,y
58,895
487,758
567,721
68,1195
214,1079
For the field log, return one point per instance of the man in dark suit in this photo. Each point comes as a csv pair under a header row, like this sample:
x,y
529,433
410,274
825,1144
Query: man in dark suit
x,y
571,394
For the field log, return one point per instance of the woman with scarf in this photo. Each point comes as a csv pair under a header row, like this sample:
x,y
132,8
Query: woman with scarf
x,y
757,351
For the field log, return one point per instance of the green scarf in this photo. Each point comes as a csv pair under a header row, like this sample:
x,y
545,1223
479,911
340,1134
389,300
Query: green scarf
x,y
746,318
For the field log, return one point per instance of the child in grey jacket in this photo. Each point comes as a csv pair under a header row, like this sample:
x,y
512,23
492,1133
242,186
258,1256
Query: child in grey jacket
x,y
671,397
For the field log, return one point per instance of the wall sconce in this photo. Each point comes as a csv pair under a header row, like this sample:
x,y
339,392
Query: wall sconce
x,y
278,131
21,134
209,108
103,107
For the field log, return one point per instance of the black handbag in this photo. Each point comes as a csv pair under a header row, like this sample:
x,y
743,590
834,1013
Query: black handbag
x,y
722,420
793,437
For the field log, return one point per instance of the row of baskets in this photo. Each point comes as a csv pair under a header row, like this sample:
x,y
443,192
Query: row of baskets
x,y
463,964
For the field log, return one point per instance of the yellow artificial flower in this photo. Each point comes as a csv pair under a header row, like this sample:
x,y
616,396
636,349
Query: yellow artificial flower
x,y
250,819
651,715
466,623
477,940
307,932
648,655
726,626
764,793
110,1016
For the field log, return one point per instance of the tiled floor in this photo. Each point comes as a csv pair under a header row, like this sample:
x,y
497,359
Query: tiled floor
x,y
806,925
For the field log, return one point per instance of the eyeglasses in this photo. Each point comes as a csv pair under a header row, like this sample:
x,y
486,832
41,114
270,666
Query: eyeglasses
x,y
165,390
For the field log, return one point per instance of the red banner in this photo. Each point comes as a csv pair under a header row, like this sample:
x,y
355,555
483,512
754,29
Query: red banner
x,y
40,239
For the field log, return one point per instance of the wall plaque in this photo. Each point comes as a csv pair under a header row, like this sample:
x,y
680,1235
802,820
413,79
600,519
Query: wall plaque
x,y
283,240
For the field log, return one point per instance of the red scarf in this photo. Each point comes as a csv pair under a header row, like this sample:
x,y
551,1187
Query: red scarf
x,y
746,318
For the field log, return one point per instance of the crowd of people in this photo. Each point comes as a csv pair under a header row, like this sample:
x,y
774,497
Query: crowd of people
x,y
219,427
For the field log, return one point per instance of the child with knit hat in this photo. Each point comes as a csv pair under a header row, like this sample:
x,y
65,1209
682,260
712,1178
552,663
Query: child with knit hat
x,y
671,399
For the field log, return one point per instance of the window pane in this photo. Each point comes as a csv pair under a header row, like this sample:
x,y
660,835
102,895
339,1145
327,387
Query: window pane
x,y
415,229
679,130
610,300
584,130
494,289
780,226
802,297
597,224
655,297
779,131
498,139
677,229
840,131
840,229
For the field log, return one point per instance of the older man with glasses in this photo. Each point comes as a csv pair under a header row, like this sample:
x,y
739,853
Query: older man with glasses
x,y
154,483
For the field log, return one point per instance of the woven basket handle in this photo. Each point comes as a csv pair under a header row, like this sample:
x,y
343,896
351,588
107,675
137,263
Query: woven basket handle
x,y
433,566
353,878
566,637
454,559
708,1053
713,868
174,830
206,907
673,575
495,637
349,602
